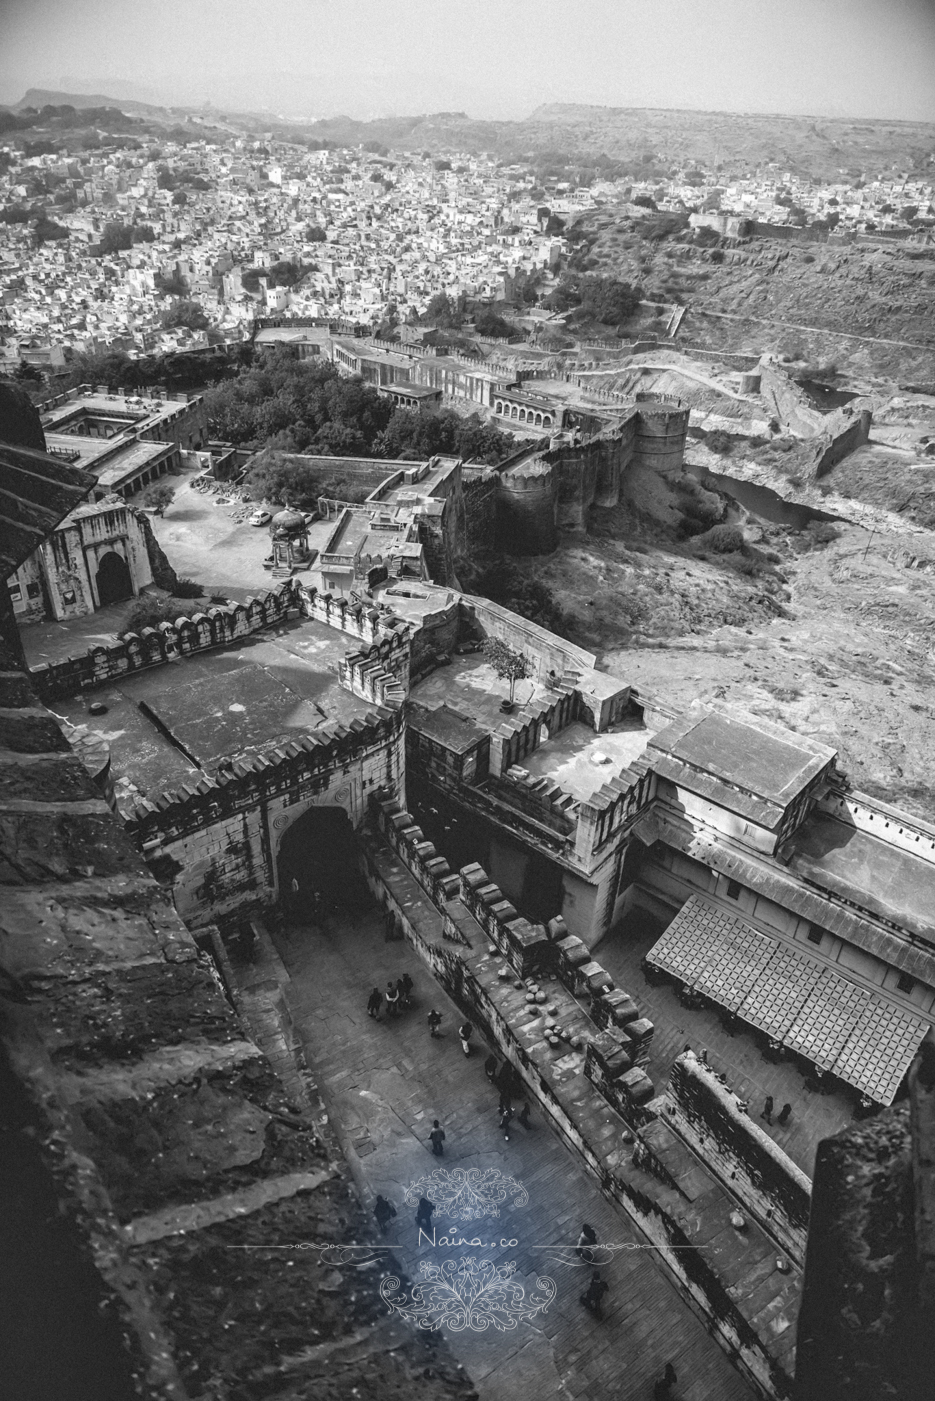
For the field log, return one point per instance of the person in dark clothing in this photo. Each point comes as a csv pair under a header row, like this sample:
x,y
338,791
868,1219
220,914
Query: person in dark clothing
x,y
392,1000
401,994
374,1003
424,1214
506,1100
407,989
593,1296
490,1068
434,1020
670,1376
784,1113
767,1113
506,1115
384,1211
465,1032
437,1138
524,1116
587,1238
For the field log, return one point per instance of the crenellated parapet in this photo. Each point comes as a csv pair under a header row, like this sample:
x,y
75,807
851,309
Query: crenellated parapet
x,y
379,673
294,770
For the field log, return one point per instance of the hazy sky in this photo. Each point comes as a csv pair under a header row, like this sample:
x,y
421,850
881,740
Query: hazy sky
x,y
490,58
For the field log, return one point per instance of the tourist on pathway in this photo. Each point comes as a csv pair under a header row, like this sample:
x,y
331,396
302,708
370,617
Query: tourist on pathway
x,y
594,1293
374,1003
384,1211
506,1101
466,1031
408,985
392,1000
437,1137
434,1020
490,1068
424,1214
587,1238
784,1113
506,1114
401,994
662,1391
768,1109
524,1116
670,1376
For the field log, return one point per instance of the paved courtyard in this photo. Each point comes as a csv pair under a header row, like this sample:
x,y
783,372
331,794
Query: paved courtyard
x,y
384,1082
738,1057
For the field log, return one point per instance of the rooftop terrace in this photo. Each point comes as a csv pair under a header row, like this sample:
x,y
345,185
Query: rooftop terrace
x,y
170,723
581,762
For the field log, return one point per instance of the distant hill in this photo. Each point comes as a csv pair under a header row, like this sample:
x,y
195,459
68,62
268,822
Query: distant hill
x,y
48,97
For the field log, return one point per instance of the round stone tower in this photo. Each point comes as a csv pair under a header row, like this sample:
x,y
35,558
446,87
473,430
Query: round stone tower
x,y
661,430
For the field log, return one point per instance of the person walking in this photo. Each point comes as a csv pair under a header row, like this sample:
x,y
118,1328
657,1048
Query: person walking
x,y
408,985
437,1138
401,994
392,1000
490,1068
465,1032
593,1296
784,1113
506,1101
506,1114
524,1116
587,1238
434,1020
670,1376
374,1003
384,1211
424,1214
767,1113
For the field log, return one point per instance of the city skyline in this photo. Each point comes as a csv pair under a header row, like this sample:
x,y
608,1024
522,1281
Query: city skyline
x,y
316,58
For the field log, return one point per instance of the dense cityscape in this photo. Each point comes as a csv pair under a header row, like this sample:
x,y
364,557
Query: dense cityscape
x,y
467,676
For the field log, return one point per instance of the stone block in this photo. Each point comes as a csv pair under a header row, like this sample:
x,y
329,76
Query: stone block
x,y
595,977
636,1085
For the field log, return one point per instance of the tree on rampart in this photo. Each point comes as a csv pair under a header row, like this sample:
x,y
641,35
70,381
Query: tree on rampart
x,y
509,664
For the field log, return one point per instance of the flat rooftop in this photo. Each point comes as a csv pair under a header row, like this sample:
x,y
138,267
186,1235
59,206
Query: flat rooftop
x,y
167,725
883,879
581,762
744,756
471,686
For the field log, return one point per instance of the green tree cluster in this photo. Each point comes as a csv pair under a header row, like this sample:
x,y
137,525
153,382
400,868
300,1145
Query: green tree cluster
x,y
185,313
591,297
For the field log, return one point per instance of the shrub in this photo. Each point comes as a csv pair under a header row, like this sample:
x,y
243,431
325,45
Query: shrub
x,y
826,532
188,588
725,539
719,442
148,611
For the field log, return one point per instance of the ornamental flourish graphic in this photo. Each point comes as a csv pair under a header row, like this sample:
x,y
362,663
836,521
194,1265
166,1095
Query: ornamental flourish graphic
x,y
468,1294
467,1194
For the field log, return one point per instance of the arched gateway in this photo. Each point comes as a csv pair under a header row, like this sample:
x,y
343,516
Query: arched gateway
x,y
319,854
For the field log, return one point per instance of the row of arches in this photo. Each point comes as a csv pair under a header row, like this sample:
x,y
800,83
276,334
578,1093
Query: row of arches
x,y
522,414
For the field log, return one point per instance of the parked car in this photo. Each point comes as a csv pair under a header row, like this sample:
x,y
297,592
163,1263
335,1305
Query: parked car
x,y
260,518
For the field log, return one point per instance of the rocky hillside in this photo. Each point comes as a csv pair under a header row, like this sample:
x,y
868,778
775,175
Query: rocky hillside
x,y
760,295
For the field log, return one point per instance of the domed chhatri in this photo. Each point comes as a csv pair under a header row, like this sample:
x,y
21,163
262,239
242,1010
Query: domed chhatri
x,y
288,522
288,532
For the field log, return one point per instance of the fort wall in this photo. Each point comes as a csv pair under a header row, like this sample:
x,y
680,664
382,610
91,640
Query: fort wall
x,y
706,1116
216,627
547,652
215,843
452,936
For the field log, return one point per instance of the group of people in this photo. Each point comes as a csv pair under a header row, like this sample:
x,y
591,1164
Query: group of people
x,y
504,1077
397,998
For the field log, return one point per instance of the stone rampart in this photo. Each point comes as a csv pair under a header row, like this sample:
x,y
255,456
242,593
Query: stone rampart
x,y
749,1304
216,841
706,1116
842,439
661,431
548,653
480,506
216,627
527,509
515,739
379,673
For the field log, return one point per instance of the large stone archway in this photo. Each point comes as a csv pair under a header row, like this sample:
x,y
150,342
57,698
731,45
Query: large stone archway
x,y
114,582
318,855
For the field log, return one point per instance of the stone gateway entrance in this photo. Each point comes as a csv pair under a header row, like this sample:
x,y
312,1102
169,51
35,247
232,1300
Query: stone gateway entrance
x,y
113,579
318,856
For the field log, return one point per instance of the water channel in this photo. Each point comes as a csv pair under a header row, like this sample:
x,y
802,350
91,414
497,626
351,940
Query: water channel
x,y
761,501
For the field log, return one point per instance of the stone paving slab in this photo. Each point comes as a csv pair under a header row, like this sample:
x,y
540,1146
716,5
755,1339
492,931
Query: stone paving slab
x,y
383,1075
